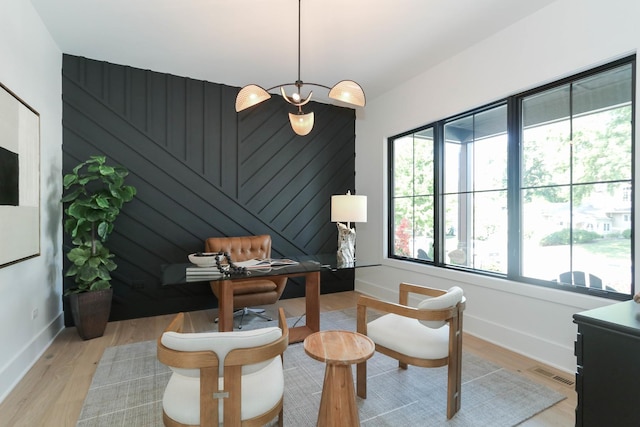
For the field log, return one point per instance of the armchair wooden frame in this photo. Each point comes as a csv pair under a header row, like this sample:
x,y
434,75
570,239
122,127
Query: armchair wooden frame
x,y
453,316
208,364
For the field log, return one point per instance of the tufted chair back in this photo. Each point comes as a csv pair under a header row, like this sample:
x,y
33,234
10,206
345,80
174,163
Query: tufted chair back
x,y
241,248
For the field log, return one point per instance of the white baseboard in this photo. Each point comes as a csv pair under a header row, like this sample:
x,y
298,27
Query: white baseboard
x,y
18,367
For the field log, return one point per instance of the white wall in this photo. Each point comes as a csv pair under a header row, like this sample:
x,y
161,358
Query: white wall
x,y
565,37
31,66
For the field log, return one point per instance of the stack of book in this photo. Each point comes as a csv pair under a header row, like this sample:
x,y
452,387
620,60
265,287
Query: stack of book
x,y
202,273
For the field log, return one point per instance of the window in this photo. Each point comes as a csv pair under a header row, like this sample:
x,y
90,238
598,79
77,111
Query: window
x,y
536,188
414,192
475,190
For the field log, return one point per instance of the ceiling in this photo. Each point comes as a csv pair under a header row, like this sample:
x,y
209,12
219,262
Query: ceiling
x,y
379,44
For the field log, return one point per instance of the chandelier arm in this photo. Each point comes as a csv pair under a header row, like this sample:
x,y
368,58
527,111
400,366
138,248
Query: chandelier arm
x,y
317,84
280,85
294,84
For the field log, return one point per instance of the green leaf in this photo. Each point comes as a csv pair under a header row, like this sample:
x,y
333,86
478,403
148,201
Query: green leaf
x,y
77,168
88,274
100,285
103,273
102,201
69,180
103,230
72,271
78,255
127,192
69,197
98,159
110,265
107,170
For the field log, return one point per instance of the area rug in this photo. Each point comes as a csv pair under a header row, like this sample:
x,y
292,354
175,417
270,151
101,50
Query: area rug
x,y
129,382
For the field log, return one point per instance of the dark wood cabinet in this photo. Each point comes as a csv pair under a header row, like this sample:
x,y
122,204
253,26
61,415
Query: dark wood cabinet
x,y
608,366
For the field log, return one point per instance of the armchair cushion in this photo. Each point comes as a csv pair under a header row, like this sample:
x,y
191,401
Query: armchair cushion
x,y
261,391
407,336
449,299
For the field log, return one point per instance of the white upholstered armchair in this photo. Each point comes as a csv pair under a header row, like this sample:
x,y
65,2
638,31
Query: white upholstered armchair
x,y
234,378
429,335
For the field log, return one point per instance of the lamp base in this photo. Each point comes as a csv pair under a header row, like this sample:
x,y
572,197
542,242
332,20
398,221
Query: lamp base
x,y
346,255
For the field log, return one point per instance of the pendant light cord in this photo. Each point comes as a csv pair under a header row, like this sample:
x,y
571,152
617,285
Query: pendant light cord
x,y
299,82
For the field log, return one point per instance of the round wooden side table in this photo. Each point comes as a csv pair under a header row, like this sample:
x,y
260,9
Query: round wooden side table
x,y
339,350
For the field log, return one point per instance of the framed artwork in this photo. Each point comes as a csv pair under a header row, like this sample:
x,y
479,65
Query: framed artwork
x,y
19,179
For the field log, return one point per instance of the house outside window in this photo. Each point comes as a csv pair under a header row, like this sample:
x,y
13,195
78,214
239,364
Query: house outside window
x,y
534,188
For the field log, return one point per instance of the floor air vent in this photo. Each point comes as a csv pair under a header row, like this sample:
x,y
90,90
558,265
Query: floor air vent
x,y
552,376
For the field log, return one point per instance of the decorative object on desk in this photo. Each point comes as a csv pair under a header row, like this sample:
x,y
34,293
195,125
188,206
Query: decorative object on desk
x,y
347,91
95,193
347,208
203,259
231,268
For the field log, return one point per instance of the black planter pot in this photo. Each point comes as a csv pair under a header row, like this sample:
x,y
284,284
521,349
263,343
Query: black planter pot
x,y
90,311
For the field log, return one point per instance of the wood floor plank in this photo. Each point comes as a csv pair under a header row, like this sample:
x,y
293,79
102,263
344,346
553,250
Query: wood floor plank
x,y
53,391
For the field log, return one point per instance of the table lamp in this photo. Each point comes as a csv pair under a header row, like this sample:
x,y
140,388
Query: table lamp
x,y
347,208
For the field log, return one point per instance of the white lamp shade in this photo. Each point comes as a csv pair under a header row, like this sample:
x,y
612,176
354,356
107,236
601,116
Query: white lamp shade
x,y
249,96
348,208
301,123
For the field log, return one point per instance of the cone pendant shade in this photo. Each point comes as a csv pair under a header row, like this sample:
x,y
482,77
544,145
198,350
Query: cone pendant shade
x,y
249,96
348,91
301,123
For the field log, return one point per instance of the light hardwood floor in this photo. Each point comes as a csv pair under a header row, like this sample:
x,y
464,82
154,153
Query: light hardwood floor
x,y
52,392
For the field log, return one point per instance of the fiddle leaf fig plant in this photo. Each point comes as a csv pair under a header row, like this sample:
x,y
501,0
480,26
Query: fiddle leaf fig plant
x,y
94,194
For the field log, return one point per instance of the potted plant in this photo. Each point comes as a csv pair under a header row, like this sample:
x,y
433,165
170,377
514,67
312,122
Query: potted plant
x,y
94,194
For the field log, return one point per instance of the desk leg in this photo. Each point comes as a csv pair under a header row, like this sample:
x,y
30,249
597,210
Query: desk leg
x,y
225,306
312,300
312,304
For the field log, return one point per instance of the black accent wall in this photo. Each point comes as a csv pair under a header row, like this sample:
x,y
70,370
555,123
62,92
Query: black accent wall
x,y
201,170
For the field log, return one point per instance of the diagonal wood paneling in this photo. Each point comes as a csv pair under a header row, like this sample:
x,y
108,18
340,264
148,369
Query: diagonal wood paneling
x,y
202,170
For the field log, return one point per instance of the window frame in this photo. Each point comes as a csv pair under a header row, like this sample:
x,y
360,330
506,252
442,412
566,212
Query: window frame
x,y
514,271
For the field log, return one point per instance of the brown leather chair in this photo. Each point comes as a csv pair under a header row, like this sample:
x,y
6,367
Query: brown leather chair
x,y
261,291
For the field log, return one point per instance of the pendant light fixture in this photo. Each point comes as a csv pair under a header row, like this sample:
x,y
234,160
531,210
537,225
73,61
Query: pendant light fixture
x,y
346,91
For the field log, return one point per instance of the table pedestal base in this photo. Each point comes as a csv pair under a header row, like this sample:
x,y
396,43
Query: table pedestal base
x,y
338,406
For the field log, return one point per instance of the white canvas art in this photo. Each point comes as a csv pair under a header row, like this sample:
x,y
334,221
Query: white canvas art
x,y
19,179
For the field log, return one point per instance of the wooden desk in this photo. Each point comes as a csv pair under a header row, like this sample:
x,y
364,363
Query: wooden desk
x,y
312,302
339,350
309,267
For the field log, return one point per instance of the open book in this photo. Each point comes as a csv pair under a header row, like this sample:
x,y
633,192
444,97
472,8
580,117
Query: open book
x,y
258,263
